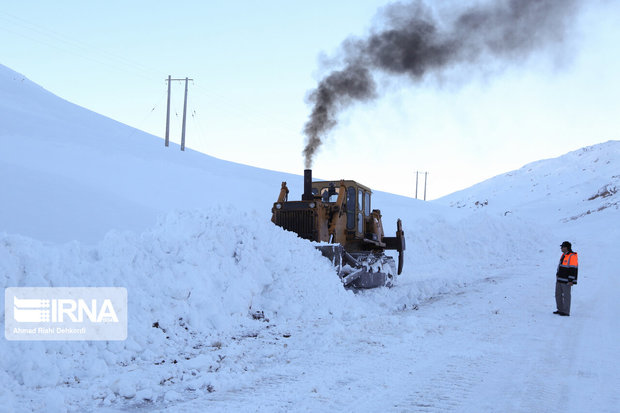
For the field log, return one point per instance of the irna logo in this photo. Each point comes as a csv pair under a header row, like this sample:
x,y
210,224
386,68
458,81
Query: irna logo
x,y
29,310
65,313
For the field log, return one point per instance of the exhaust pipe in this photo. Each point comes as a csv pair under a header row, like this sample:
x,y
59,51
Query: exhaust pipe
x,y
307,195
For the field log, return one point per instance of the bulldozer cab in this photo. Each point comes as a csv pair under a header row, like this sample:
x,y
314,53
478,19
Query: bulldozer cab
x,y
356,201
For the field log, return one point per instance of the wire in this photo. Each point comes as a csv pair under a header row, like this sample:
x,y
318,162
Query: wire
x,y
250,114
73,46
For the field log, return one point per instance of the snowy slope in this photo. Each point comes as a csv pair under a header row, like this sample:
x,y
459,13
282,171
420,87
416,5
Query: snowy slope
x,y
468,326
92,174
569,187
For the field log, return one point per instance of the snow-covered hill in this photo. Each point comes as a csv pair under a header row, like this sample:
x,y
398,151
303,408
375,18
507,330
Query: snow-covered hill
x,y
71,174
573,185
228,312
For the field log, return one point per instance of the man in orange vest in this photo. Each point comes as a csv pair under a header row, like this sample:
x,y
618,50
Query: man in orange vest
x,y
566,277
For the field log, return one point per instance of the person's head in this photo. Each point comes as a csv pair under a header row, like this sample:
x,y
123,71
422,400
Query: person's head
x,y
566,247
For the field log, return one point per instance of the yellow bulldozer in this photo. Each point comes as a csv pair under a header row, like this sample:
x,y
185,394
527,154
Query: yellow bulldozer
x,y
338,216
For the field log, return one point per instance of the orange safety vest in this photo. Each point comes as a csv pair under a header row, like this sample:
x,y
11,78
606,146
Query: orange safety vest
x,y
571,260
567,270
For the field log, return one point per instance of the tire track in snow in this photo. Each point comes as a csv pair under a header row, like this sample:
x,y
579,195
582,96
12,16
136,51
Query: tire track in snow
x,y
477,365
448,389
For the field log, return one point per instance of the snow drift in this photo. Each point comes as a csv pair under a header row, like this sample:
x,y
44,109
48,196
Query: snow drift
x,y
195,279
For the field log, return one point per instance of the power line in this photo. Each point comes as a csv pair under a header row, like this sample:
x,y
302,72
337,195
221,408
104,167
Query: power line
x,y
238,109
71,45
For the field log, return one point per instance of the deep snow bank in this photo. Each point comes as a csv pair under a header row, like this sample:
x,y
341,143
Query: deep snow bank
x,y
208,266
197,277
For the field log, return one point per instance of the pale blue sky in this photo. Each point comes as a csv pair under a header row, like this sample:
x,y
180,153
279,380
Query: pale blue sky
x,y
253,63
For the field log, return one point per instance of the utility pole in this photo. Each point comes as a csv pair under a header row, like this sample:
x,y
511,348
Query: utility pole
x,y
168,115
417,173
184,116
169,80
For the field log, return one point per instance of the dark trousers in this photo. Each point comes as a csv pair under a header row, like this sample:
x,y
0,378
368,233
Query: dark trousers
x,y
562,297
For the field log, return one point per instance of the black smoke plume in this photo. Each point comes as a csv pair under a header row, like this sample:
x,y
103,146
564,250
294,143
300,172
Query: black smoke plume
x,y
413,43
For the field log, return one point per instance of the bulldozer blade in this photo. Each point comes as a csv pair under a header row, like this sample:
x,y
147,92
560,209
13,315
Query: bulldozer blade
x,y
349,278
354,269
334,252
364,280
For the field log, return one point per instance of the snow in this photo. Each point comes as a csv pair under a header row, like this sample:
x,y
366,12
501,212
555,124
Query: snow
x,y
228,312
